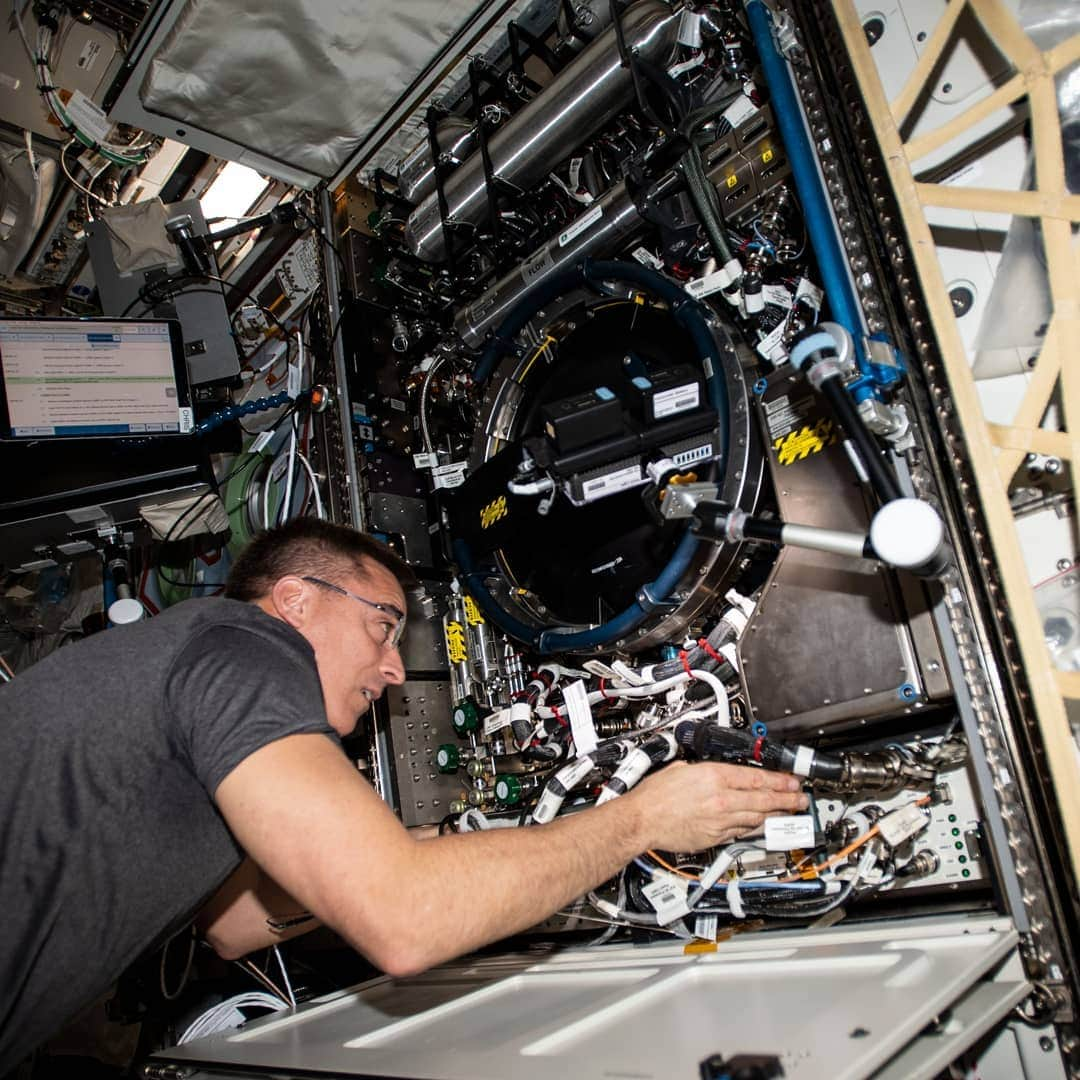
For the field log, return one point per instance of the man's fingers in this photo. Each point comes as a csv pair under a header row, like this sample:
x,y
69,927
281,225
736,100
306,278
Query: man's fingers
x,y
747,778
765,801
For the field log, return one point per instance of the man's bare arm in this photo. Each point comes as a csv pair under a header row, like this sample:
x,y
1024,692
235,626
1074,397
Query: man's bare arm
x,y
316,827
249,912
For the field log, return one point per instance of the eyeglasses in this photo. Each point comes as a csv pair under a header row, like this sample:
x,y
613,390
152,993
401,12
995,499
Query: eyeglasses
x,y
393,636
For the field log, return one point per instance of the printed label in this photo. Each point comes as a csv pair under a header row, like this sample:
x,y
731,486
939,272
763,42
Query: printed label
x,y
425,461
496,722
740,110
706,286
87,116
292,384
789,833
88,56
810,293
771,347
667,895
620,480
586,221
576,698
646,258
777,295
676,400
449,476
187,420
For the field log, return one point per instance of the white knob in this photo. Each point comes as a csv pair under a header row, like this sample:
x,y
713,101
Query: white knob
x,y
127,610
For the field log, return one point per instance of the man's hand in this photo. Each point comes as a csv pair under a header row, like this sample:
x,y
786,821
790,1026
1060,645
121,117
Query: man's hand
x,y
693,807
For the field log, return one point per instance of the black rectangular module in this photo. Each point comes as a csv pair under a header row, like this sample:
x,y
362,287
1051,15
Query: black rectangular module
x,y
586,418
663,394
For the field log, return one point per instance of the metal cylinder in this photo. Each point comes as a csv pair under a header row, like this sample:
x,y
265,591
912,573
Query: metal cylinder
x,y
585,95
613,220
416,176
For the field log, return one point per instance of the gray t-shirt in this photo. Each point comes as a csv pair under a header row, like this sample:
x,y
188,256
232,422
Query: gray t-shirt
x,y
110,752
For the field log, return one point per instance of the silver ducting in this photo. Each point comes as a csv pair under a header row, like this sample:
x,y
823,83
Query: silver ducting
x,y
592,89
457,140
614,219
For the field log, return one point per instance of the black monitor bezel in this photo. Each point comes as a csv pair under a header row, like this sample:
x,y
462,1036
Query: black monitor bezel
x,y
180,373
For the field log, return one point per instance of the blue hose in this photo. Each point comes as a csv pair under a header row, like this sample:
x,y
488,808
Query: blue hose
x,y
819,224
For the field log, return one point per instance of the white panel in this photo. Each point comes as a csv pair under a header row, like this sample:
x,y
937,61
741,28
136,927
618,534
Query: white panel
x,y
646,1011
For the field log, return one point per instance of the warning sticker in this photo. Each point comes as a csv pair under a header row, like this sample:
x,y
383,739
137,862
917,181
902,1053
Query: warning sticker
x,y
800,444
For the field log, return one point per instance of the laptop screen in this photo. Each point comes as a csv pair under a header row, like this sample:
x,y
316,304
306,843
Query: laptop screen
x,y
92,377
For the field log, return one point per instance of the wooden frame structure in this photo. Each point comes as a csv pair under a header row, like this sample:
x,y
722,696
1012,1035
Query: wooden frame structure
x,y
996,451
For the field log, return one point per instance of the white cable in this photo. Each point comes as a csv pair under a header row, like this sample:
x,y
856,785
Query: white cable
x,y
285,511
319,511
723,710
227,1015
285,976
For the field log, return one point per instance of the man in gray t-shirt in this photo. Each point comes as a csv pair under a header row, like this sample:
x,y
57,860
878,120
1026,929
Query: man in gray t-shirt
x,y
142,765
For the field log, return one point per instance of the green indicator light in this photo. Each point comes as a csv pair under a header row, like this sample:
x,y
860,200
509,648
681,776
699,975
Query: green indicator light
x,y
956,832
963,858
959,845
965,873
952,817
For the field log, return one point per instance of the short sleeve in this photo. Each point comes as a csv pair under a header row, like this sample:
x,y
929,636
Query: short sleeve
x,y
232,691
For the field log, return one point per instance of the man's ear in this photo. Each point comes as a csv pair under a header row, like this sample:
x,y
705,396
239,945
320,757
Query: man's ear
x,y
290,601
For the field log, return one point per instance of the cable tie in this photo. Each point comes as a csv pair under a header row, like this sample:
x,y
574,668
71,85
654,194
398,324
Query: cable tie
x,y
603,690
686,664
45,88
758,743
703,643
555,710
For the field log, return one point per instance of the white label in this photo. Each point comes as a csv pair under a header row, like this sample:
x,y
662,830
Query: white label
x,y
706,926
600,669
89,55
809,292
688,457
676,400
804,758
667,895
496,722
790,832
771,347
620,480
647,258
777,295
425,461
398,404
261,441
584,222
575,172
627,674
575,772
690,29
187,420
87,117
741,109
450,476
576,699
709,284
292,385
902,824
